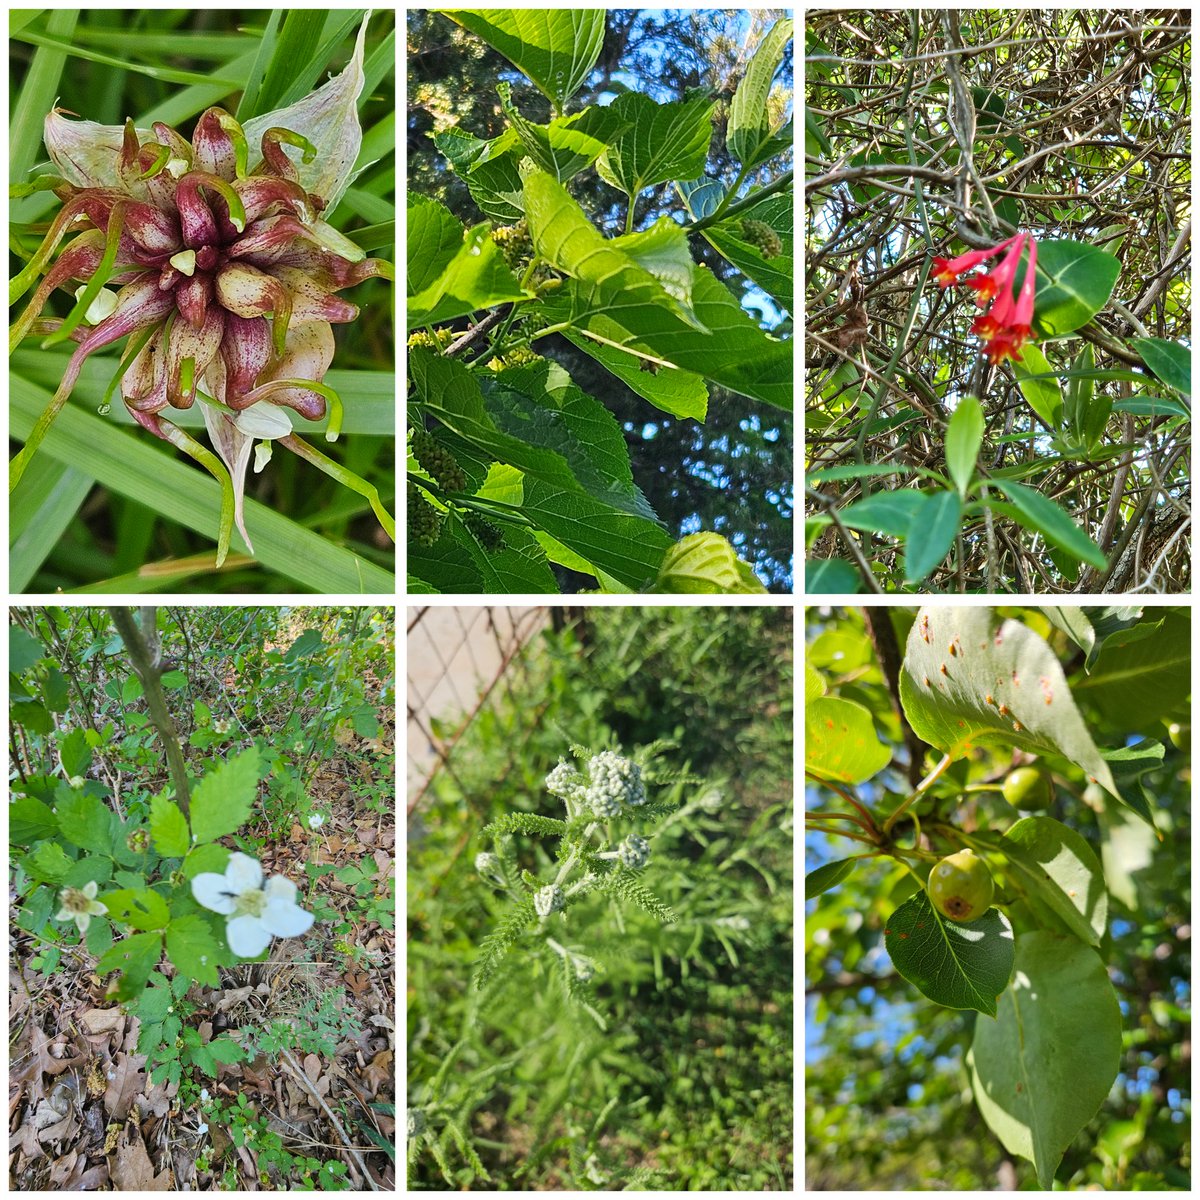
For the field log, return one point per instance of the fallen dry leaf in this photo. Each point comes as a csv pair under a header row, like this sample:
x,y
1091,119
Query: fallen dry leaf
x,y
128,1078
132,1170
103,1020
378,1071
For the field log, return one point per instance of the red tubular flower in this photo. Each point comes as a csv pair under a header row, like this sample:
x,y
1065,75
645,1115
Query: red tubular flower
x,y
1007,326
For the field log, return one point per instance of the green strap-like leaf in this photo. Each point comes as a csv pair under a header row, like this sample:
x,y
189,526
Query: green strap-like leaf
x,y
659,142
750,134
1041,514
555,48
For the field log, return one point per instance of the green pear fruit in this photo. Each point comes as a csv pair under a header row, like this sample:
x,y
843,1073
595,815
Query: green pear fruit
x,y
960,887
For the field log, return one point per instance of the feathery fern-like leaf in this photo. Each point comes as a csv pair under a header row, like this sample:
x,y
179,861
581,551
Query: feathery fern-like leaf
x,y
625,884
498,943
519,822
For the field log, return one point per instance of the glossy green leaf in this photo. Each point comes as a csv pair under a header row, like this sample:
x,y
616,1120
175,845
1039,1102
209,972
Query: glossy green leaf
x,y
964,436
1039,385
568,144
1170,361
957,965
891,513
830,577
554,48
840,742
705,563
776,276
826,877
1043,515
931,533
659,142
970,680
1074,282
1044,1067
750,136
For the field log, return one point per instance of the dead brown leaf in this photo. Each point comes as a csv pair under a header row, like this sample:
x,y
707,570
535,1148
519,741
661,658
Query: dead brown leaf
x,y
103,1020
378,1071
132,1170
128,1078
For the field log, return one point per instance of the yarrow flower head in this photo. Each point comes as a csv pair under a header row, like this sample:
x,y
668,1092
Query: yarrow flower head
x,y
224,266
1007,327
257,911
80,905
565,782
634,852
616,781
549,899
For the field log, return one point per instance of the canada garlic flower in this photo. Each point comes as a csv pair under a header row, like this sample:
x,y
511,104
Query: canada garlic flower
x,y
214,257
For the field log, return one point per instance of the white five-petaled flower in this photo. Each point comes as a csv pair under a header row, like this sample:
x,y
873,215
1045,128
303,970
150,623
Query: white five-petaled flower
x,y
257,911
315,821
80,905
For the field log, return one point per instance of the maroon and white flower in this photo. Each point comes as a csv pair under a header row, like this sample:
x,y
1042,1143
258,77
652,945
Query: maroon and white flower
x,y
213,253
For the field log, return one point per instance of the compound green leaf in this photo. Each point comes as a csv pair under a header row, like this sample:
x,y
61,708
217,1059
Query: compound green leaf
x,y
554,48
84,821
963,966
193,949
136,956
224,798
47,862
168,828
659,142
750,137
1044,1067
143,909
970,680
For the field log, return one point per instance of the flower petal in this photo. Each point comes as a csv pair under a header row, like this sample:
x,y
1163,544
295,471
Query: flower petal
x,y
210,889
201,346
247,937
243,872
284,918
213,146
246,350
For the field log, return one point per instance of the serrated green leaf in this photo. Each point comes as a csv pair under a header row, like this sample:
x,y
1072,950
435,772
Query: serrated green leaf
x,y
554,48
205,858
142,909
749,136
492,178
226,1051
568,144
168,827
706,563
29,821
193,949
659,142
24,650
84,821
224,798
47,862
135,956
75,752
153,1004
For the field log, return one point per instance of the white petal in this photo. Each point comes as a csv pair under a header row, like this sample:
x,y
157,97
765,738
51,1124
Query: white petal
x,y
244,873
278,887
285,919
90,889
246,937
210,890
83,920
65,915
264,420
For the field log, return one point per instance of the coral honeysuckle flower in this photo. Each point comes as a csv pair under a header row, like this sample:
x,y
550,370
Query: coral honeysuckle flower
x,y
225,269
80,905
257,911
1007,326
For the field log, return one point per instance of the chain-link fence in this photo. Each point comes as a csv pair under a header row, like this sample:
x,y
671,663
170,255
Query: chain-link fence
x,y
461,660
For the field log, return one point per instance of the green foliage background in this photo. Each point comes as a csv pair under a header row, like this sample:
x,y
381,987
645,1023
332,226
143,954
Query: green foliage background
x,y
691,1087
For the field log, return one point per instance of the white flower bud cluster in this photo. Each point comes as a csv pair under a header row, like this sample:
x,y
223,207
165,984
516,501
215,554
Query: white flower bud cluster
x,y
548,900
615,782
634,852
485,863
565,782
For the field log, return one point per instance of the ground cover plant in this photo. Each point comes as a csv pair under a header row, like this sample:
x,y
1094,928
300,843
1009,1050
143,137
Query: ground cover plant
x,y
201,355
600,954
998,307
597,254
997,944
201,849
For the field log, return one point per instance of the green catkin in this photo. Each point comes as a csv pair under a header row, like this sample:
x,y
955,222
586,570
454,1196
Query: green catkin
x,y
762,237
424,521
438,461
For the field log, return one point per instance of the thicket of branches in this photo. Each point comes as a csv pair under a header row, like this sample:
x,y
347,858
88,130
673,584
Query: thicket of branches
x,y
1081,131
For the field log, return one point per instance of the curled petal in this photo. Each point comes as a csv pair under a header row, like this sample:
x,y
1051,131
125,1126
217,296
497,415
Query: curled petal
x,y
144,384
245,352
313,303
84,152
198,345
260,193
77,261
193,298
307,355
213,145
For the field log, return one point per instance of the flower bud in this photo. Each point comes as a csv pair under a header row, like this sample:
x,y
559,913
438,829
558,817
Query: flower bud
x,y
548,900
